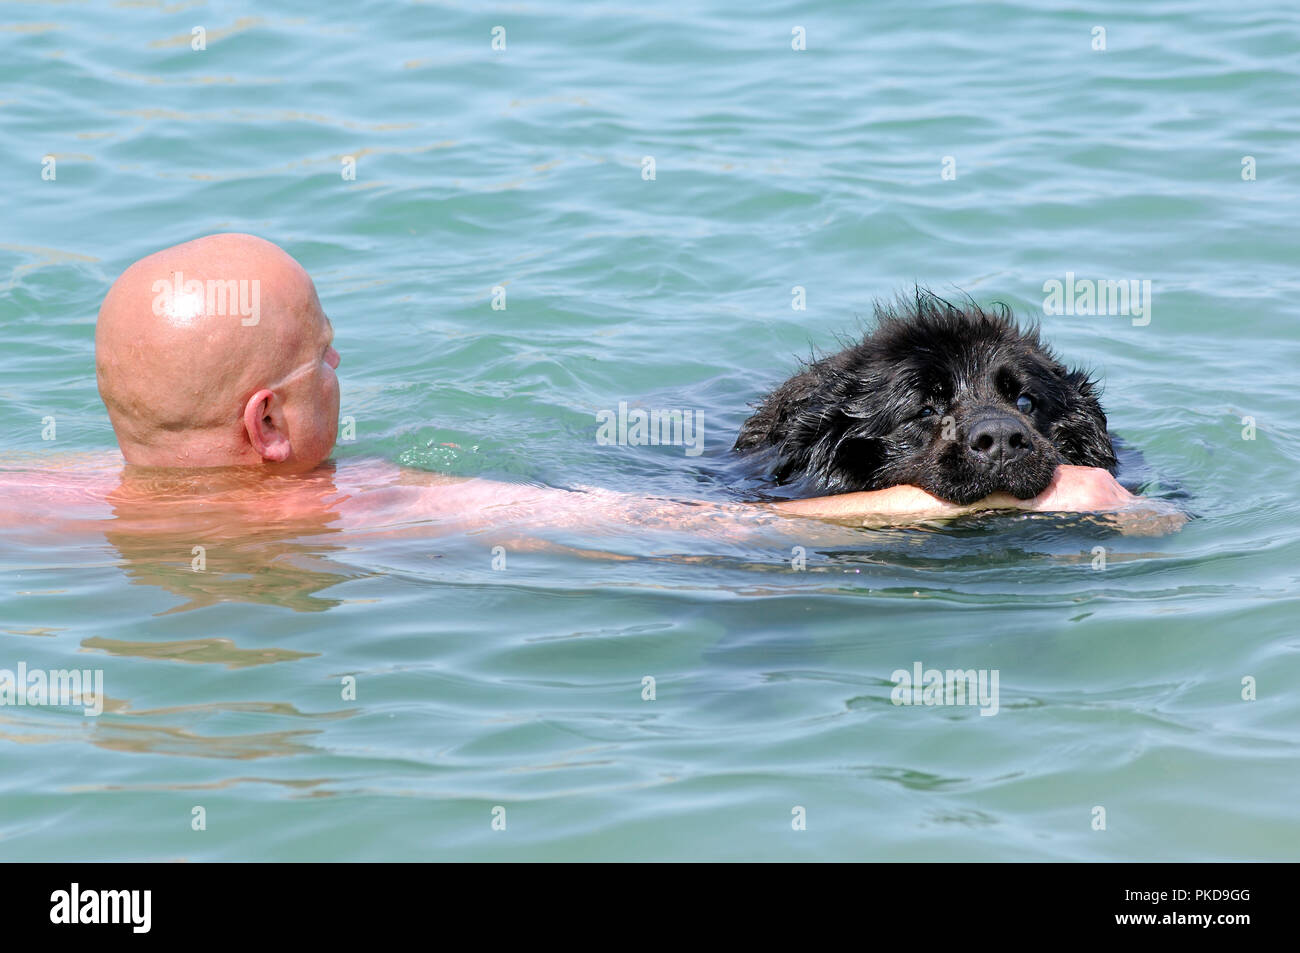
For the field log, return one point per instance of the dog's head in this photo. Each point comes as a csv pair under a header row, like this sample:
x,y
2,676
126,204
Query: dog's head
x,y
956,400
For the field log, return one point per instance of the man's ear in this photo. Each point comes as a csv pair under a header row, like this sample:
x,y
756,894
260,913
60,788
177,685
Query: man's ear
x,y
266,428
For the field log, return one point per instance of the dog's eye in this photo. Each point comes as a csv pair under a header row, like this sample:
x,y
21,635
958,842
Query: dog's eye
x,y
1025,404
928,411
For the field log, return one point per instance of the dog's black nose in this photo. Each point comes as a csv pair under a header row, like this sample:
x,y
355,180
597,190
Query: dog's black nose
x,y
998,441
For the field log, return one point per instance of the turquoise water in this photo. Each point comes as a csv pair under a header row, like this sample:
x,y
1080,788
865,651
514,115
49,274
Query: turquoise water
x,y
522,168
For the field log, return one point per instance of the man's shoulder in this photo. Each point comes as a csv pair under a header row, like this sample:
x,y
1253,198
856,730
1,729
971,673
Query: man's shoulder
x,y
56,484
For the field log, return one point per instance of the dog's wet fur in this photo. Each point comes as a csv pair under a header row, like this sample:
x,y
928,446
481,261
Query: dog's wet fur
x,y
955,399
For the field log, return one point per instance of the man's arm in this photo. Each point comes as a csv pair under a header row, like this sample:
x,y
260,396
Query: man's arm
x,y
1072,490
894,501
454,501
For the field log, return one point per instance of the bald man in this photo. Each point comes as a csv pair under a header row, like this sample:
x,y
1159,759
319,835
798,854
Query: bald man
x,y
215,357
217,353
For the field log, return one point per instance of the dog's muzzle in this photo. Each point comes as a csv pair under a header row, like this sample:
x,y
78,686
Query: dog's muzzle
x,y
997,440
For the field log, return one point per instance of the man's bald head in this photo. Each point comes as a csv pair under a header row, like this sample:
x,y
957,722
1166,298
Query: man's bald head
x,y
216,352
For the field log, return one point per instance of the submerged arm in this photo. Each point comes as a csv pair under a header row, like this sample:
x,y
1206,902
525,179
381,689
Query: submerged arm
x,y
482,503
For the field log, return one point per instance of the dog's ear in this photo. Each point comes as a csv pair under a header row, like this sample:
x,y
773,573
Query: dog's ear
x,y
1080,433
857,452
856,461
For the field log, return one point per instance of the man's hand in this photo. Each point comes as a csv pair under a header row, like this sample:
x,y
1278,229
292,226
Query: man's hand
x,y
1076,490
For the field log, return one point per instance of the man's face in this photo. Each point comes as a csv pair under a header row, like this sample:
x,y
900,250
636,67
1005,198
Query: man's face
x,y
311,393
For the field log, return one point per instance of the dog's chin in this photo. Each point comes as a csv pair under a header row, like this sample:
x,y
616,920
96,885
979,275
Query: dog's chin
x,y
971,484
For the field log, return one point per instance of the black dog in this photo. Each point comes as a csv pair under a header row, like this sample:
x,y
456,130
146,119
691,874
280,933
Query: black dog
x,y
956,400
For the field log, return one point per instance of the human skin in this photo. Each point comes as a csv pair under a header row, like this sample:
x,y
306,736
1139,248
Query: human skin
x,y
1073,489
191,385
